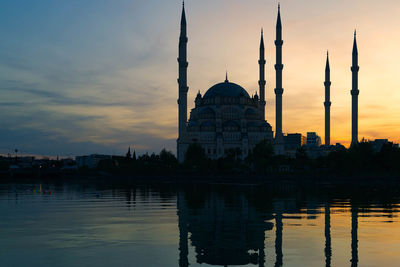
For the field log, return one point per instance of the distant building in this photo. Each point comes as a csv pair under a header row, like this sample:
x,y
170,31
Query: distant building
x,y
91,161
68,165
25,162
339,146
378,144
313,140
294,141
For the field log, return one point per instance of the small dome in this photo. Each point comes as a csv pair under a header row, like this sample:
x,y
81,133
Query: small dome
x,y
226,89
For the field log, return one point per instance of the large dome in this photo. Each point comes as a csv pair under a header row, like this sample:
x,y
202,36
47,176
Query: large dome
x,y
226,89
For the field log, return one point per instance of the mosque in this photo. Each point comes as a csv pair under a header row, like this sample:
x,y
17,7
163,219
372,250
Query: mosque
x,y
227,120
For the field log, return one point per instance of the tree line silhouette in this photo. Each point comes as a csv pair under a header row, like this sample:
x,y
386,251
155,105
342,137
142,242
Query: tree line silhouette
x,y
359,159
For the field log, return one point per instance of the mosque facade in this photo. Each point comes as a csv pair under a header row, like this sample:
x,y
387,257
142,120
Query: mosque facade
x,y
226,119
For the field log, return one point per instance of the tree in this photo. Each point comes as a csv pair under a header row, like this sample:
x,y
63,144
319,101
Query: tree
x,y
262,156
195,157
302,159
361,155
128,155
168,159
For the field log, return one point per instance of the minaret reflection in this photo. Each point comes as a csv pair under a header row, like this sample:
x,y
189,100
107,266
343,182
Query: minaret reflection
x,y
328,245
183,231
278,239
130,196
354,235
225,229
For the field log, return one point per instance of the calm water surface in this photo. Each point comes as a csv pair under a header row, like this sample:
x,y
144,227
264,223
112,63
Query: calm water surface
x,y
197,225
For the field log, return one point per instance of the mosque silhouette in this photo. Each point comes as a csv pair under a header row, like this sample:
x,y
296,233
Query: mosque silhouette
x,y
226,118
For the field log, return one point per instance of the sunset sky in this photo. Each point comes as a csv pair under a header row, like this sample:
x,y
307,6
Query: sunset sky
x,y
97,76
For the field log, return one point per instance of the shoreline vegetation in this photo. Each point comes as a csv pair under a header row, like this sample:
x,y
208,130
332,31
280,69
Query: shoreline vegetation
x,y
359,164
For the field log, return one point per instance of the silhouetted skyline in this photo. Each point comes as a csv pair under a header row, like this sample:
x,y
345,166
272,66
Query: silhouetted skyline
x,y
93,77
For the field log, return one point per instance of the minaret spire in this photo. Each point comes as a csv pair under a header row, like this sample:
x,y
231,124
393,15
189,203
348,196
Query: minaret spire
x,y
261,81
278,21
278,70
183,17
262,40
327,67
354,93
182,81
327,102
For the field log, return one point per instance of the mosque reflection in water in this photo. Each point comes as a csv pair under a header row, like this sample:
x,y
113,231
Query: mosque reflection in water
x,y
228,229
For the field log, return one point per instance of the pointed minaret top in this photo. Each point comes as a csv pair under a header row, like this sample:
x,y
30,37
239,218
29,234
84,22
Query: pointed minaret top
x,y
278,22
327,61
183,18
262,39
226,77
355,51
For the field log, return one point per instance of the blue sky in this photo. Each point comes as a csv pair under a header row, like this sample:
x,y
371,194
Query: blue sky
x,y
96,76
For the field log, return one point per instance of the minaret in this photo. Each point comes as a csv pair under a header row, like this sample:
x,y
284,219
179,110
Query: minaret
x,y
327,102
182,81
354,94
262,82
278,69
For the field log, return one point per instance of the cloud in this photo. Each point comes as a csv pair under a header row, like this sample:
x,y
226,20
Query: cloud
x,y
55,134
58,98
67,123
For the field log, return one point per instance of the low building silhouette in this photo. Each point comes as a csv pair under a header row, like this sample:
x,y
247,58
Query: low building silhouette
x,y
91,161
313,140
